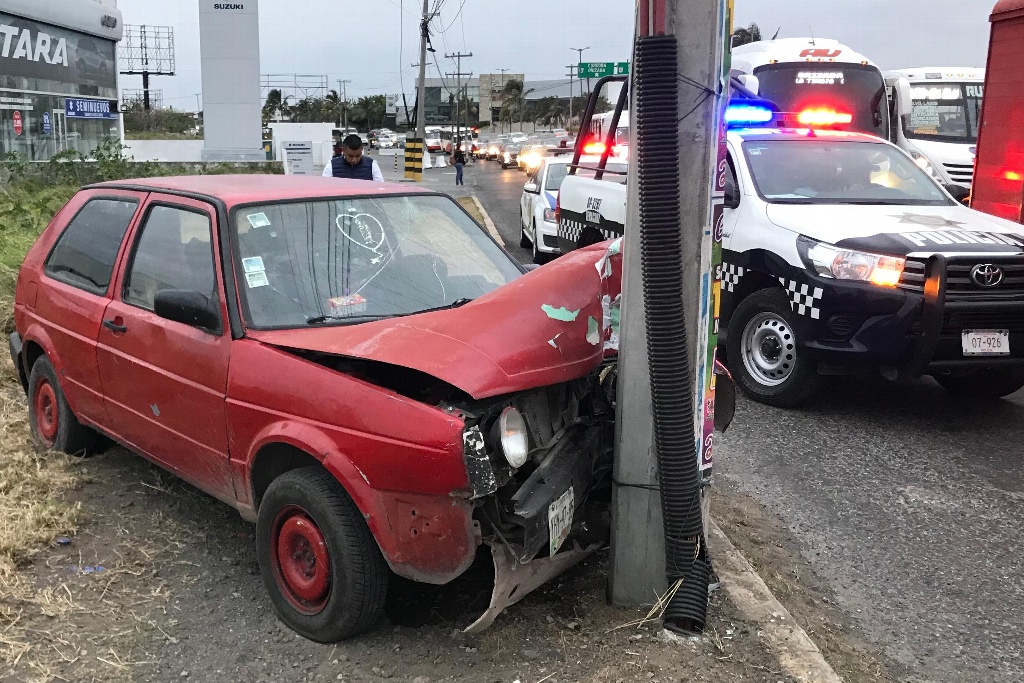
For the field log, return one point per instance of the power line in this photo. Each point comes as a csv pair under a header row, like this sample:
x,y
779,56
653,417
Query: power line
x,y
457,15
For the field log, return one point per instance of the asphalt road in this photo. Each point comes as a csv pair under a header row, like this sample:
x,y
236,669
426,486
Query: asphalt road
x,y
905,500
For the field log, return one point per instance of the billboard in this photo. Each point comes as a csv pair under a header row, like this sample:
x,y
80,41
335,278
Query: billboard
x,y
30,49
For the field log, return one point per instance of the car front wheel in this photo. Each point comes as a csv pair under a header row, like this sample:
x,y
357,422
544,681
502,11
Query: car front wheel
x,y
984,383
325,574
53,424
762,347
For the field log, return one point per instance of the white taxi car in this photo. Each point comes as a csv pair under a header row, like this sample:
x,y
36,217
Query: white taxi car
x,y
537,221
841,255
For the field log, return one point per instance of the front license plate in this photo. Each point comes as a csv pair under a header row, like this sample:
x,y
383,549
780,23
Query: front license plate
x,y
986,342
560,520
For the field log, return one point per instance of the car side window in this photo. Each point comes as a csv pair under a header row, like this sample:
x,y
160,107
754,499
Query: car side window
x,y
730,178
174,251
84,254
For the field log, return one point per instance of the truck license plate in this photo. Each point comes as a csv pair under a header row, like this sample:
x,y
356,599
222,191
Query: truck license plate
x,y
560,520
986,342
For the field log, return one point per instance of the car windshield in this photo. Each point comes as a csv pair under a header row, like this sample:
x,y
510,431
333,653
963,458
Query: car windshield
x,y
854,89
558,172
947,112
822,171
357,259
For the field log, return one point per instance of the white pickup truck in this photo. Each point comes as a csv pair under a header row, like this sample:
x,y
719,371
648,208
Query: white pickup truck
x,y
591,210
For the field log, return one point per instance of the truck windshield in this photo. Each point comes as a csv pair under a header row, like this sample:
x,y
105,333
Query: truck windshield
x,y
854,89
823,171
945,112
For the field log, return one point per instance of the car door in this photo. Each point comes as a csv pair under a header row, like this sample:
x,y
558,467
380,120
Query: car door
x,y
70,299
526,203
165,382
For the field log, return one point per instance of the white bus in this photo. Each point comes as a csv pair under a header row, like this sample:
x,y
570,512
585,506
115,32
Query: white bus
x,y
816,80
599,127
941,129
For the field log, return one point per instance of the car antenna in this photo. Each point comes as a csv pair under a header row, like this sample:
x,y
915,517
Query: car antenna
x,y
812,36
777,33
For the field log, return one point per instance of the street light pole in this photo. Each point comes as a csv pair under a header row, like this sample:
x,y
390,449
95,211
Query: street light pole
x,y
571,73
581,50
343,86
501,126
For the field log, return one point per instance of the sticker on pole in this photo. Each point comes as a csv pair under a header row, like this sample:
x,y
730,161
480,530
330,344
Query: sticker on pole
x,y
560,520
19,125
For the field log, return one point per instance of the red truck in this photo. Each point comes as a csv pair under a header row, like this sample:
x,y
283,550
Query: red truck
x,y
999,166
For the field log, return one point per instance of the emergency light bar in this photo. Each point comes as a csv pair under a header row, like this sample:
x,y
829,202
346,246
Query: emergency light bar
x,y
753,114
737,115
823,117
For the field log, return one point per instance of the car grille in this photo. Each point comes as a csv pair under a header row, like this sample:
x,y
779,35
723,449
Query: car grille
x,y
960,287
960,173
550,240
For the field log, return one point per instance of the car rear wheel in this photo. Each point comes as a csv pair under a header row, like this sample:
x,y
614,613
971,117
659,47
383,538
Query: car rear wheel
x,y
762,349
984,383
53,424
524,239
324,572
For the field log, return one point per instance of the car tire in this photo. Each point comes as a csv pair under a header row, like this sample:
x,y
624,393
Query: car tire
x,y
325,574
986,383
524,240
762,351
54,426
538,256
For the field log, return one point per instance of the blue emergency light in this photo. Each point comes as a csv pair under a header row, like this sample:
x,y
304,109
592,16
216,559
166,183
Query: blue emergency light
x,y
742,115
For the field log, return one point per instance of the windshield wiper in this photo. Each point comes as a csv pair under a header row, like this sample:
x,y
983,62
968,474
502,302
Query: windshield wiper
x,y
320,319
458,303
792,201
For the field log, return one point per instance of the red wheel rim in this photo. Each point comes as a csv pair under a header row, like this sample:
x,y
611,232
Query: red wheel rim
x,y
301,562
46,409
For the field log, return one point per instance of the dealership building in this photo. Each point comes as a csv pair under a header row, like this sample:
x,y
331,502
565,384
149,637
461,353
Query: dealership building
x,y
58,76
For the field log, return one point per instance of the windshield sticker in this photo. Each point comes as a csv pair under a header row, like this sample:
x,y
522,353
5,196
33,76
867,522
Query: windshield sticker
x,y
253,264
925,115
820,78
563,313
258,220
257,279
346,305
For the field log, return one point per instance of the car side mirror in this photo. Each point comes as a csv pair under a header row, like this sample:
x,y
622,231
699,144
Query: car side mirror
x,y
532,188
188,307
750,82
903,93
732,197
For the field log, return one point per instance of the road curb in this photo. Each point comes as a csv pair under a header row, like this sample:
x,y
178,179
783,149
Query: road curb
x,y
797,653
488,223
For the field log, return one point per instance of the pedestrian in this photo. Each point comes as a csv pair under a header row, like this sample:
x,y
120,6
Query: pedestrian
x,y
459,159
352,163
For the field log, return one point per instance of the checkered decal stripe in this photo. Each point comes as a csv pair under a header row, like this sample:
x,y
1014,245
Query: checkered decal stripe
x,y
571,230
802,299
731,276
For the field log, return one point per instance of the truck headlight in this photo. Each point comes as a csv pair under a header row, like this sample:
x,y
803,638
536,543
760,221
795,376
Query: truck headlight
x,y
926,165
515,442
844,264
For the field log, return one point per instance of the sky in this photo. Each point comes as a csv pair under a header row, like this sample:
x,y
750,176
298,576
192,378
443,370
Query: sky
x,y
373,43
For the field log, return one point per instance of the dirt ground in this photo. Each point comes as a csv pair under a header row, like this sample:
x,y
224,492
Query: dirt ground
x,y
160,583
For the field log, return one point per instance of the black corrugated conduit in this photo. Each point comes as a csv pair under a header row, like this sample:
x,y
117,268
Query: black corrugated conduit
x,y
657,119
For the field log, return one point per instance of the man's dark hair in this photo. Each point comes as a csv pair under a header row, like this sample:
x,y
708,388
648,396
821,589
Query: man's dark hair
x,y
354,142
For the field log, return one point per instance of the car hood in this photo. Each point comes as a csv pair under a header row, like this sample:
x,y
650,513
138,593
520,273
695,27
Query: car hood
x,y
552,325
901,230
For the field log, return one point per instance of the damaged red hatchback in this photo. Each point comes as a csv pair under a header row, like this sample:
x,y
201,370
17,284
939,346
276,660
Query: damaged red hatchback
x,y
359,368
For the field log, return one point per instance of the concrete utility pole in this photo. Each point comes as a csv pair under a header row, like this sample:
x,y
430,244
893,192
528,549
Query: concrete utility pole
x,y
416,148
343,87
458,89
581,50
638,562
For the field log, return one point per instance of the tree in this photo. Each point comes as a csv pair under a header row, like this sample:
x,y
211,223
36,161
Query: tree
x,y
335,106
744,36
276,107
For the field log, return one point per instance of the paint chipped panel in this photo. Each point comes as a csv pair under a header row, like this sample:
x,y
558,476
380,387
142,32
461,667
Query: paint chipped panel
x,y
478,465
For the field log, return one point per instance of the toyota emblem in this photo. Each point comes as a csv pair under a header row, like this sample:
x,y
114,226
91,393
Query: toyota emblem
x,y
987,275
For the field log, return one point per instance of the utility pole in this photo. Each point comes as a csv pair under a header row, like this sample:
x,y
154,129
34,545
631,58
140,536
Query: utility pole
x,y
343,87
501,125
458,91
572,72
581,50
699,28
415,149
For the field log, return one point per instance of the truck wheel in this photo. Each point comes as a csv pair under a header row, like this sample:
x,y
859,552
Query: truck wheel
x,y
762,348
984,383
524,241
324,572
53,424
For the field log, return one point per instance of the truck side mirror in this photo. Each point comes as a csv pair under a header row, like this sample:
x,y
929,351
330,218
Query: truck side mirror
x,y
750,82
732,197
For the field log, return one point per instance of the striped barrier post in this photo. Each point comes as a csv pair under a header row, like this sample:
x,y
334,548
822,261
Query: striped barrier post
x,y
414,159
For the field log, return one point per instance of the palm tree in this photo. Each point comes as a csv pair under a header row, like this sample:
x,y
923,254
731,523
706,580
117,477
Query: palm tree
x,y
743,36
276,106
334,106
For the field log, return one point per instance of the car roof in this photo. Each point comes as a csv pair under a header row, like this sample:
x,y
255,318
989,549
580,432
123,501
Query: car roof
x,y
762,134
243,189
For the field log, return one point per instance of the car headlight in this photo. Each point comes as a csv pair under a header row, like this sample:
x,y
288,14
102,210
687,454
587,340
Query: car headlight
x,y
515,443
844,264
549,215
925,165
507,157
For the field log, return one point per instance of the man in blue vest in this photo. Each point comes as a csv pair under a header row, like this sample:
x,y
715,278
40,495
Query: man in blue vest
x,y
352,164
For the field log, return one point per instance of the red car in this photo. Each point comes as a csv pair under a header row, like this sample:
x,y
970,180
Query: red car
x,y
357,367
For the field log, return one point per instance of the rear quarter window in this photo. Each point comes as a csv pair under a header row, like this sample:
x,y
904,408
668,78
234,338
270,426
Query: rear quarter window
x,y
86,251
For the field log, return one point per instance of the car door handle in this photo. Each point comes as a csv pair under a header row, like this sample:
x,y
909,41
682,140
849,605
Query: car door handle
x,y
113,326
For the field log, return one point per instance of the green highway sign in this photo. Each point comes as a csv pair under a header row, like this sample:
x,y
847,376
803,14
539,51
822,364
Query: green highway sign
x,y
602,69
